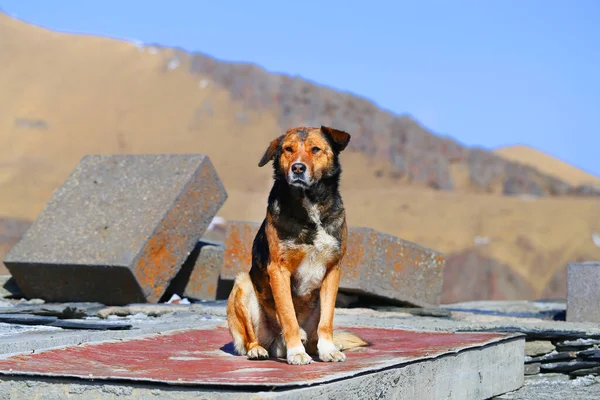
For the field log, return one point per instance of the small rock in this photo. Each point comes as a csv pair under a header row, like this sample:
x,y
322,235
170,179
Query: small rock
x,y
567,367
535,333
551,357
593,354
151,310
532,369
82,324
60,310
24,319
586,372
538,348
576,345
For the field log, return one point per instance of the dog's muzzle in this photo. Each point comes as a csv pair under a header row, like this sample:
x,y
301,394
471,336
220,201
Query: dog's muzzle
x,y
297,175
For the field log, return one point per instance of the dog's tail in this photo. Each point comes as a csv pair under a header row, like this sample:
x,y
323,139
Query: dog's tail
x,y
344,340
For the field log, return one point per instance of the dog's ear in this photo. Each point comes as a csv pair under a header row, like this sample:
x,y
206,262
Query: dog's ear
x,y
270,152
339,139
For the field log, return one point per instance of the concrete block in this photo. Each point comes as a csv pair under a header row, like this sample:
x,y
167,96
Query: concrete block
x,y
398,365
204,278
375,264
239,236
199,277
583,293
119,228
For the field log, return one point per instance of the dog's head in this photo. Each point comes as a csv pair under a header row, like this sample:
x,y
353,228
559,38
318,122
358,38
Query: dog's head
x,y
306,155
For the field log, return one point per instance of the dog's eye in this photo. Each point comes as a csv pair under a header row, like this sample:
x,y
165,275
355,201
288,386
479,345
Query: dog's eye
x,y
315,150
289,149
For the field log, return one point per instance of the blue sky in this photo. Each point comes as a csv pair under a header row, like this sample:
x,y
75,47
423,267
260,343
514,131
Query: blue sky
x,y
487,73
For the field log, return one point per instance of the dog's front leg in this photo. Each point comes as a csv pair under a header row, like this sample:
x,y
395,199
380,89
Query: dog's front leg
x,y
325,346
282,293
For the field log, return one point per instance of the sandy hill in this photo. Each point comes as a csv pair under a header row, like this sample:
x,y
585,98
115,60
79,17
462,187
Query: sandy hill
x,y
548,164
65,96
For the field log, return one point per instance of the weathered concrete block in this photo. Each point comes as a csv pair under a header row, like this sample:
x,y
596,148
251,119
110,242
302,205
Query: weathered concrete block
x,y
237,257
375,263
204,277
119,228
583,292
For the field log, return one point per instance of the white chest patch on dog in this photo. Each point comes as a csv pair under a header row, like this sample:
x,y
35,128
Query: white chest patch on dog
x,y
311,271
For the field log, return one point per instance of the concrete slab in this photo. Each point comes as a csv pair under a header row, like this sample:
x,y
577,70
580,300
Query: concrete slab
x,y
583,295
409,364
119,228
375,264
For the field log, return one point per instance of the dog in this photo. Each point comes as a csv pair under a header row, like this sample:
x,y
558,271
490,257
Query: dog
x,y
284,306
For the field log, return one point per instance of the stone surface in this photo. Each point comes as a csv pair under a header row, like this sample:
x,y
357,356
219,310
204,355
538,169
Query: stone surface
x,y
30,338
59,310
375,264
591,353
118,230
552,357
576,345
25,319
548,377
541,331
583,296
538,348
568,366
532,369
585,372
151,310
422,312
552,310
545,387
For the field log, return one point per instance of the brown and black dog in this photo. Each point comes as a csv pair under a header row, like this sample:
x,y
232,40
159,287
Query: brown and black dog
x,y
284,307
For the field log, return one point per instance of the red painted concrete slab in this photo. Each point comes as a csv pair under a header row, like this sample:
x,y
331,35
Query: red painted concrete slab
x,y
197,357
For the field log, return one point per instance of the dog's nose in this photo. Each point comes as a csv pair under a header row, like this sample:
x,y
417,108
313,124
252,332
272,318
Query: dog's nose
x,y
298,168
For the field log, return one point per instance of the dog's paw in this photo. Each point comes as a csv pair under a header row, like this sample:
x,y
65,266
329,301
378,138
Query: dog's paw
x,y
298,356
329,352
258,353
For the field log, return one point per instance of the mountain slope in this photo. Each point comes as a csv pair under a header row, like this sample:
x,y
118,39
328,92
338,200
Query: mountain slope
x,y
547,164
65,96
